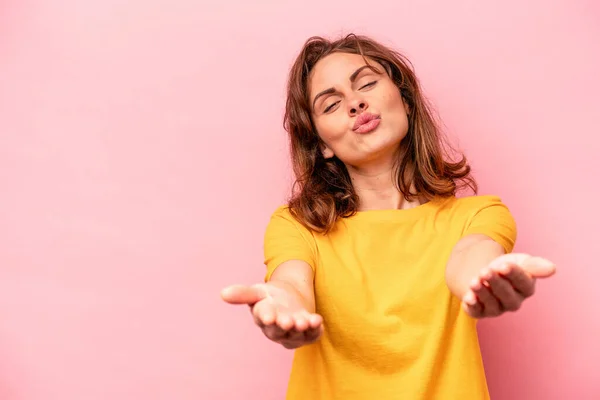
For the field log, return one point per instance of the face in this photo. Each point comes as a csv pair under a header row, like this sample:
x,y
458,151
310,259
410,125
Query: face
x,y
358,112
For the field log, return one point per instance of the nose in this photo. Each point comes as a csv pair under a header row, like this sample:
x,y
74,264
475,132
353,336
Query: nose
x,y
358,107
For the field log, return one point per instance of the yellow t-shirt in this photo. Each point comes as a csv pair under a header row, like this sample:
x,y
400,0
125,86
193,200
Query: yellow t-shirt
x,y
393,330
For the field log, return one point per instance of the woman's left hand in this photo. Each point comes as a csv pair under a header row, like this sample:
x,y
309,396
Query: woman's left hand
x,y
504,284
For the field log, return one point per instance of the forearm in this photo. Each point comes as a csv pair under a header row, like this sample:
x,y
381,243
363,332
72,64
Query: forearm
x,y
470,255
296,278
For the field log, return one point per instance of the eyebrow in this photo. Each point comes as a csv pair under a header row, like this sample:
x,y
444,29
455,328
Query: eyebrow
x,y
352,79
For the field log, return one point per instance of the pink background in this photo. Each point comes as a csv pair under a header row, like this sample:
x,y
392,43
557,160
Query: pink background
x,y
141,154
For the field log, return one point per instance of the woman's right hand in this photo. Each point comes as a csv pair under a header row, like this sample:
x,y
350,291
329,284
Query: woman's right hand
x,y
278,310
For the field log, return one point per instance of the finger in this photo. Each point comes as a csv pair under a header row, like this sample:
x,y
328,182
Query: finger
x,y
291,344
313,334
242,294
315,321
295,339
295,336
504,292
267,317
285,321
264,313
536,266
470,303
275,333
539,267
519,279
491,306
301,321
510,258
474,312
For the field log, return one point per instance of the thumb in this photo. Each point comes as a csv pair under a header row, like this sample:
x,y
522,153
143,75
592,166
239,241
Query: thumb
x,y
242,294
539,267
536,267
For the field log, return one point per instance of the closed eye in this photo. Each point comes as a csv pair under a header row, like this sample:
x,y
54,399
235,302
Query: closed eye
x,y
368,85
330,106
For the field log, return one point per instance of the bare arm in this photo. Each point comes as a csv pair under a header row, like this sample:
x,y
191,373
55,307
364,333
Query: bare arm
x,y
284,307
296,277
469,256
490,282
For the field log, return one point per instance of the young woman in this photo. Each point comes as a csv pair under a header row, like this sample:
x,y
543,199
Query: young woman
x,y
376,271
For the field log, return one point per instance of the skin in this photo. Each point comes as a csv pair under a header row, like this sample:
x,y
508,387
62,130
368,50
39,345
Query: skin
x,y
501,285
488,281
284,307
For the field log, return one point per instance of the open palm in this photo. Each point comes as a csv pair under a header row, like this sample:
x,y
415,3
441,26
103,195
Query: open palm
x,y
280,314
505,284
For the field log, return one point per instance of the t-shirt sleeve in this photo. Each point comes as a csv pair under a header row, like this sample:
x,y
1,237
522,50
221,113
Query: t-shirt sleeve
x,y
287,239
490,217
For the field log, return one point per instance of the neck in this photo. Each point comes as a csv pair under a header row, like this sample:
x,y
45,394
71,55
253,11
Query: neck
x,y
377,188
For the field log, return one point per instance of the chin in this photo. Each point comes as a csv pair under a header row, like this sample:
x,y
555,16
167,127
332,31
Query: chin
x,y
384,140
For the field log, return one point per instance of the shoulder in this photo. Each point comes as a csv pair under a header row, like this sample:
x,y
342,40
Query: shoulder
x,y
287,239
471,205
489,216
478,210
282,210
282,219
477,201
283,213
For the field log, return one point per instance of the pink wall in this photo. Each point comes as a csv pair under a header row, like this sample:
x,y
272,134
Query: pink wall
x,y
141,154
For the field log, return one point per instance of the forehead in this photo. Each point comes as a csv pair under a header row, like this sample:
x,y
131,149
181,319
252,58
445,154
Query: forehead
x,y
334,70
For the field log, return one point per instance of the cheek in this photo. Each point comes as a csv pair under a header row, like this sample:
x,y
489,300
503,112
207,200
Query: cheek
x,y
394,106
330,129
393,99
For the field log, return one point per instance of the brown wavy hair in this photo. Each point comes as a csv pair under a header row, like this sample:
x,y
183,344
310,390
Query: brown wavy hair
x,y
323,192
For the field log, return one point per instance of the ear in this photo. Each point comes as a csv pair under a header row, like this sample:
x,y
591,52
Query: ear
x,y
326,151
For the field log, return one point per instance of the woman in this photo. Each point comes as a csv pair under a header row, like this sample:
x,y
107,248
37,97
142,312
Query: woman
x,y
376,271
